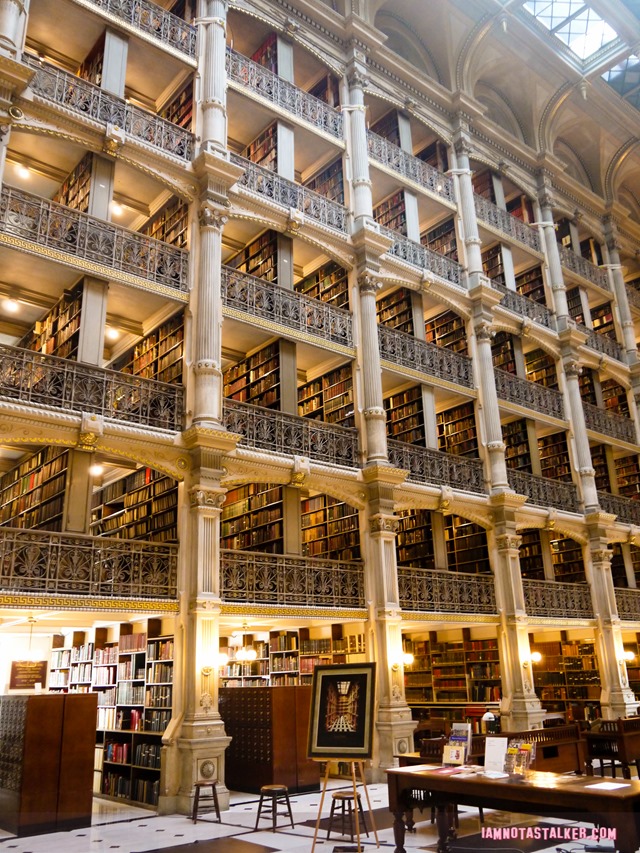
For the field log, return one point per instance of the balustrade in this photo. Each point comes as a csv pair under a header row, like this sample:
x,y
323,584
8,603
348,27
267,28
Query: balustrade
x,y
152,19
602,343
60,228
410,167
515,228
626,509
609,423
584,268
633,296
628,604
553,599
419,256
524,307
51,564
542,491
433,466
427,590
440,362
252,295
253,578
531,395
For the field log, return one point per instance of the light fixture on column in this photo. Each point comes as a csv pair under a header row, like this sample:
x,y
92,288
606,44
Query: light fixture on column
x,y
627,656
534,657
32,621
245,654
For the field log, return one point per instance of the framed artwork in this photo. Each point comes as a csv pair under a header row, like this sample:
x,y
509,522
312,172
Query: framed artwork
x,y
342,702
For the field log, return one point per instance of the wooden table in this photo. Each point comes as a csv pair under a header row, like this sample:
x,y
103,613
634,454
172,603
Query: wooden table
x,y
542,794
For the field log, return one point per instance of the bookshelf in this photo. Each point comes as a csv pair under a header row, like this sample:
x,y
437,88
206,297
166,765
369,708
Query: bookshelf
x,y
602,320
391,213
483,184
601,467
256,379
252,519
554,457
179,110
531,559
158,355
329,398
591,250
91,67
466,544
436,155
492,263
517,449
394,310
447,330
329,283
521,207
142,505
566,679
259,258
388,127
170,224
58,332
574,305
568,563
75,190
267,54
442,239
587,386
327,89
284,658
329,182
263,150
628,476
449,672
503,353
531,284
32,494
614,397
540,367
414,539
483,662
405,416
457,431
618,567
337,648
243,673
330,529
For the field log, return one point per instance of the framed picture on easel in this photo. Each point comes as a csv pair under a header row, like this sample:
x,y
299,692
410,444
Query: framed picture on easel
x,y
342,703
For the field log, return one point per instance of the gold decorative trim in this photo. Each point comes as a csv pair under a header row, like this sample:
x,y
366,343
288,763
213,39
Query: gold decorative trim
x,y
422,616
62,602
282,612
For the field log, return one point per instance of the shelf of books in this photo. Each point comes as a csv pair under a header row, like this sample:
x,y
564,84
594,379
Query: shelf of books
x,y
267,54
414,539
284,658
540,367
58,332
515,436
263,150
632,647
447,330
259,257
466,545
530,553
394,309
483,184
554,456
566,678
628,476
614,397
330,528
252,519
245,673
391,213
531,284
574,305
329,182
442,239
91,67
75,190
457,431
329,398
329,283
503,353
568,561
158,355
405,416
256,379
601,467
592,251
388,127
492,264
327,89
32,494
179,110
521,207
436,155
170,224
142,505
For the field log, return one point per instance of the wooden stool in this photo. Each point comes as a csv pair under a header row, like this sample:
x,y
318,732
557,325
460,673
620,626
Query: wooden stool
x,y
273,793
212,799
344,799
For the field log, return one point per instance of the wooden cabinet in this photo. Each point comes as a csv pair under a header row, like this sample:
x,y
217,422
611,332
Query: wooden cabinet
x,y
46,764
269,730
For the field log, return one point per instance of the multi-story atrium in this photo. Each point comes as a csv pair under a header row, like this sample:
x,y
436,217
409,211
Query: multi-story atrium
x,y
319,344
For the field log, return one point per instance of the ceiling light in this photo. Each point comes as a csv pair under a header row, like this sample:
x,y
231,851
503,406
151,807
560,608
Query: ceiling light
x,y
11,306
112,334
96,470
23,171
116,208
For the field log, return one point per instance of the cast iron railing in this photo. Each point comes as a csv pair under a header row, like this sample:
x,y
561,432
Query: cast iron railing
x,y
419,256
488,212
529,394
433,466
386,152
625,508
407,351
551,598
445,592
522,306
609,423
582,267
155,21
628,604
542,491
602,343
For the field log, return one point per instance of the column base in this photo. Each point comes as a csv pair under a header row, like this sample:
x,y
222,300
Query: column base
x,y
199,756
395,728
621,703
523,714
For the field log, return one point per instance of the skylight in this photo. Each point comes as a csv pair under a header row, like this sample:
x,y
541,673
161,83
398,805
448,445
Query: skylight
x,y
625,79
582,30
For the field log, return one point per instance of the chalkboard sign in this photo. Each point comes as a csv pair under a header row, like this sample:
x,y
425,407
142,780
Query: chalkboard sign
x,y
25,674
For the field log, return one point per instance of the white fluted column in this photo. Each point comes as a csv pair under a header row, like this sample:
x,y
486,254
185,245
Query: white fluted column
x,y
472,239
213,75
13,18
586,471
357,141
490,410
553,255
620,290
374,413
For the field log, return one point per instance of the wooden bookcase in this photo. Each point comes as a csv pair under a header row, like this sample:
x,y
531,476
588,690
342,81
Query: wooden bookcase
x,y
267,54
574,305
601,467
457,431
483,184
329,398
58,332
566,679
521,207
628,476
391,213
158,355
414,539
517,449
503,353
405,416
466,544
447,330
32,494
256,379
330,529
492,263
252,519
338,648
284,658
179,110
329,283
329,182
442,239
142,505
531,560
602,320
263,150
614,397
239,673
436,155
92,66
591,250
388,127
531,284
568,563
587,386
554,456
395,310
327,89
259,258
483,663
170,224
540,367
75,190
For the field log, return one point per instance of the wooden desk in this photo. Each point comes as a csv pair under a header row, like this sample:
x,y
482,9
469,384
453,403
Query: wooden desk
x,y
542,794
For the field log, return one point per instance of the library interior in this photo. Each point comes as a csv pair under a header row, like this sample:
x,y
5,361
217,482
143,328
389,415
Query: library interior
x,y
319,327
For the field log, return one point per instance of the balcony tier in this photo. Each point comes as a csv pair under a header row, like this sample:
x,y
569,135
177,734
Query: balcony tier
x,y
426,590
554,599
417,255
412,168
542,491
432,466
528,394
405,350
164,26
609,423
499,219
584,268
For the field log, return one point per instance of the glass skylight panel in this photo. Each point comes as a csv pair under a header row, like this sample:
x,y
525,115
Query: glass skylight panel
x,y
625,79
582,30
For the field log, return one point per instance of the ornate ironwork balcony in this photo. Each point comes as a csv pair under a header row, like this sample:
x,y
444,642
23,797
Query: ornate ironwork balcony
x,y
41,562
633,296
265,183
46,380
91,101
553,599
625,508
252,295
419,256
602,343
152,19
431,591
48,224
524,307
283,94
544,492
582,267
410,167
432,466
407,351
515,228
279,432
253,578
531,395
609,423
628,604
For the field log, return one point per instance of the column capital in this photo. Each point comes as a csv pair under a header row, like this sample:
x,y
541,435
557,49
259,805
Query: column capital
x,y
572,367
211,216
383,524
484,331
208,498
368,283
508,542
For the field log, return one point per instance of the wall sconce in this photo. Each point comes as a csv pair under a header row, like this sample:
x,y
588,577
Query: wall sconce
x,y
407,660
627,656
534,657
245,654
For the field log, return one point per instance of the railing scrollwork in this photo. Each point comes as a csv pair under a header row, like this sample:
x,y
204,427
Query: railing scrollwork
x,y
502,220
554,599
427,590
433,466
407,351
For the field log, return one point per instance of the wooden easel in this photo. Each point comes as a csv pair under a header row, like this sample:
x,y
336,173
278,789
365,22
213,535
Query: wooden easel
x,y
353,765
